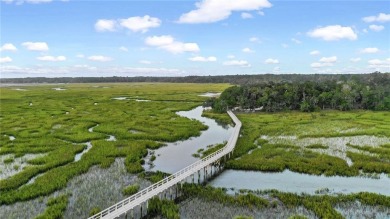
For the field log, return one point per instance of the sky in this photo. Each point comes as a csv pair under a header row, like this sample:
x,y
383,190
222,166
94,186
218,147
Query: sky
x,y
97,38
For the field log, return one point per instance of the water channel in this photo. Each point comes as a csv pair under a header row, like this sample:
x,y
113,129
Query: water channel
x,y
178,155
288,181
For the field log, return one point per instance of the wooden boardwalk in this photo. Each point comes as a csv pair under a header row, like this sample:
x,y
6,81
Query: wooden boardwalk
x,y
139,199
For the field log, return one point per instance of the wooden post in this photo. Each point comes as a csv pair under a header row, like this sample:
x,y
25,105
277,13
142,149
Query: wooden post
x,y
206,175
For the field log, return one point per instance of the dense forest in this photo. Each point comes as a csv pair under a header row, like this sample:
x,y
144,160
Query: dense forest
x,y
232,79
342,94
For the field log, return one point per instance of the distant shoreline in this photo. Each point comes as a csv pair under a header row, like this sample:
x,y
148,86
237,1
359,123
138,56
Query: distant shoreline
x,y
232,79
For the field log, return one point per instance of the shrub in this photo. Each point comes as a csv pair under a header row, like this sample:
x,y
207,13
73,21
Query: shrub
x,y
165,208
130,190
55,208
94,211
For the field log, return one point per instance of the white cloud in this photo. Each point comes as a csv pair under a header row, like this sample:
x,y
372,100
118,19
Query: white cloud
x,y
247,50
159,40
376,28
379,64
261,13
203,59
36,46
285,45
231,57
169,44
320,65
246,15
355,59
296,41
271,61
8,47
331,59
179,47
87,71
140,24
103,25
365,31
135,24
254,39
99,58
19,2
370,50
209,11
314,52
38,1
5,59
124,49
145,62
375,62
80,56
241,63
324,62
381,17
83,66
333,32
51,58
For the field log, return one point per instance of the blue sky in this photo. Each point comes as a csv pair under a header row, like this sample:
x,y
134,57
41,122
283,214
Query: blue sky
x,y
46,38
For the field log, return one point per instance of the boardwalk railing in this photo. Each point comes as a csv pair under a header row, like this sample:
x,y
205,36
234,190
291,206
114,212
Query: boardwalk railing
x,y
153,190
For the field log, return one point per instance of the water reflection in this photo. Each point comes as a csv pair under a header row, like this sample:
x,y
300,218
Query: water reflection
x,y
78,156
210,94
288,181
178,155
58,88
111,138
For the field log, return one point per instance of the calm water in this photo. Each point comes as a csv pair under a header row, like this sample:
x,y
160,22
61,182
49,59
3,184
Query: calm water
x,y
288,181
111,138
78,156
178,155
209,94
58,88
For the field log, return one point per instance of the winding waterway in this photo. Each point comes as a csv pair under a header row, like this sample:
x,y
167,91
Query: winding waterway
x,y
178,155
78,156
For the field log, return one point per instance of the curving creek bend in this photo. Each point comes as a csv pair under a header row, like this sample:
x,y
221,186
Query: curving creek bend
x,y
99,187
177,155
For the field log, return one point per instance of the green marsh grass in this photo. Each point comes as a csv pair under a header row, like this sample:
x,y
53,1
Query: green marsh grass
x,y
316,143
94,211
56,124
323,206
55,207
130,190
165,208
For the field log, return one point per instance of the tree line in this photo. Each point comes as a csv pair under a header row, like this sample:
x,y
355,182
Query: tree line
x,y
307,96
238,79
